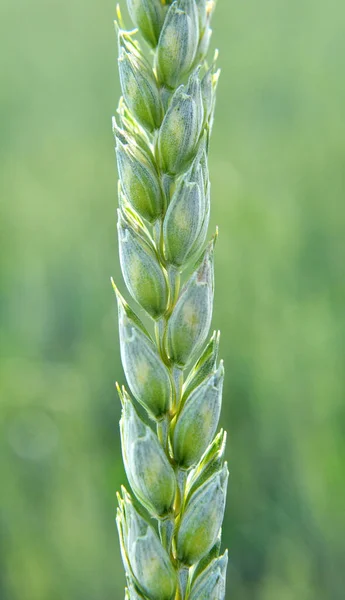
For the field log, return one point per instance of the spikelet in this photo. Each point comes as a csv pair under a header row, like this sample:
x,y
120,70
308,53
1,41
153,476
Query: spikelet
x,y
170,524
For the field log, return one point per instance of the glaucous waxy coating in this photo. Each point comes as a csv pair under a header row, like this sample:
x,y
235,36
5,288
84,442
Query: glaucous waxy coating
x,y
149,562
210,585
147,376
197,423
141,270
140,91
148,15
180,131
149,472
190,321
178,42
186,220
139,180
202,519
183,222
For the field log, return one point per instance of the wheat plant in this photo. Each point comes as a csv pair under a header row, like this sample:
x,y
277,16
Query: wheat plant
x,y
170,524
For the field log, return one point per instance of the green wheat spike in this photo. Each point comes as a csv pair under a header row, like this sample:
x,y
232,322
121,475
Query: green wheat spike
x,y
170,524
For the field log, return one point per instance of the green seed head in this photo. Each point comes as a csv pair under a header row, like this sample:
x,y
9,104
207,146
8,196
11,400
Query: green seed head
x,y
170,525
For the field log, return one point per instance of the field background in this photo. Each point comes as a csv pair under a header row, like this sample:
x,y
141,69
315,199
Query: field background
x,y
278,178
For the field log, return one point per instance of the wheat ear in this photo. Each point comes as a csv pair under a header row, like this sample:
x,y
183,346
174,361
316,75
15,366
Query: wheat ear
x,y
170,524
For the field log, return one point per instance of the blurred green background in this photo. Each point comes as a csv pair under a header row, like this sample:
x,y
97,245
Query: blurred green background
x,y
278,175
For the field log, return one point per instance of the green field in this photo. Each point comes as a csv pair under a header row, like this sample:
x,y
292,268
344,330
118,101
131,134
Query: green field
x,y
278,187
